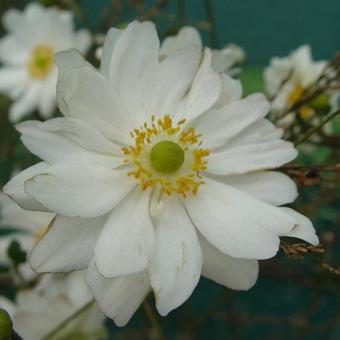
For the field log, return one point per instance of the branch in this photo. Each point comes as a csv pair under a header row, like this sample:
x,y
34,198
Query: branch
x,y
68,320
317,128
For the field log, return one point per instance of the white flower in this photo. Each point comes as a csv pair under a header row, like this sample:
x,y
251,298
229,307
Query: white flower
x,y
28,74
223,60
40,310
29,227
157,174
287,77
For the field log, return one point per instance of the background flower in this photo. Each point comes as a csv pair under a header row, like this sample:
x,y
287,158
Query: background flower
x,y
38,312
28,74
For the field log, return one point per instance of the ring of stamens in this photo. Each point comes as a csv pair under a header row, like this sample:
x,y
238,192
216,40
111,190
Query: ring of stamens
x,y
181,176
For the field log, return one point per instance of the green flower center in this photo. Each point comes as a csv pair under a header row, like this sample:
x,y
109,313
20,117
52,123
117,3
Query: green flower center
x,y
166,157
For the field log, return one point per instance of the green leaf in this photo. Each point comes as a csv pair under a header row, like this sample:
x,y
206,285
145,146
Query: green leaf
x,y
15,252
251,78
5,325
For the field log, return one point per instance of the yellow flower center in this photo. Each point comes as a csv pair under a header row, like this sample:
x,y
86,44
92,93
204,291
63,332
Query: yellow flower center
x,y
295,94
167,156
41,61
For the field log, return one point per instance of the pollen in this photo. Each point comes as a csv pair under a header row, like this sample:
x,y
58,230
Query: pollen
x,y
41,61
167,156
295,94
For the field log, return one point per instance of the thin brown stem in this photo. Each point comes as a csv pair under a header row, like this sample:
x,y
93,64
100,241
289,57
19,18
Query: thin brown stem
x,y
317,128
63,324
156,326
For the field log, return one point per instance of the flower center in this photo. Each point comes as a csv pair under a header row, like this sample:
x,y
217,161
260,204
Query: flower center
x,y
295,94
166,156
41,61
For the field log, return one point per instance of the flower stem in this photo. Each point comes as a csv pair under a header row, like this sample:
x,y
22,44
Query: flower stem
x,y
211,18
150,314
64,323
317,128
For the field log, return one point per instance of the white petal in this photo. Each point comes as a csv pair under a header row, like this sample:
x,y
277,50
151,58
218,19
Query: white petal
x,y
133,69
205,90
13,216
82,133
222,60
235,223
271,187
252,157
86,94
175,267
67,245
127,240
61,140
79,191
174,78
303,228
11,77
231,91
234,273
13,53
82,40
47,101
15,187
187,35
219,126
109,45
26,103
12,19
259,132
119,297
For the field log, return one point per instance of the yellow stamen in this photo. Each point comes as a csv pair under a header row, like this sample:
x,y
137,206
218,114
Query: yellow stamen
x,y
306,112
295,94
41,61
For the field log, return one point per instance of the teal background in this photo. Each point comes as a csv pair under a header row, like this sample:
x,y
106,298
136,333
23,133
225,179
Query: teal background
x,y
263,27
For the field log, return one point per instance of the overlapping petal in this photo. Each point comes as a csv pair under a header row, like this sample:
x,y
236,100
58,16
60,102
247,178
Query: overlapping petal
x,y
118,297
90,191
67,245
125,247
175,267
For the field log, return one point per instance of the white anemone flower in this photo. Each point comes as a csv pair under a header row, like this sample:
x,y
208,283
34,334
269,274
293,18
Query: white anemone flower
x,y
286,78
27,228
223,60
28,74
158,174
39,311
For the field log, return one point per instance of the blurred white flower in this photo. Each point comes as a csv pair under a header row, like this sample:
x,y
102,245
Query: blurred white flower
x,y
28,74
38,311
158,175
223,60
287,77
29,226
